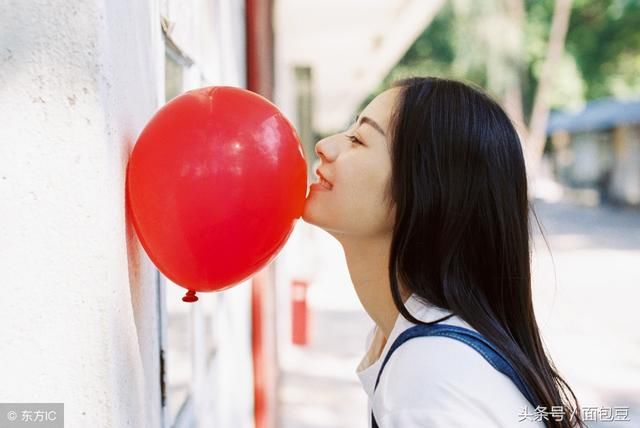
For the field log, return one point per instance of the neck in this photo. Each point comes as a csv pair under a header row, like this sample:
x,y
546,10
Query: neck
x,y
368,264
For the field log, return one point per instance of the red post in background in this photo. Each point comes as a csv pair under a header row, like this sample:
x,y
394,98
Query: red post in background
x,y
260,79
264,349
299,312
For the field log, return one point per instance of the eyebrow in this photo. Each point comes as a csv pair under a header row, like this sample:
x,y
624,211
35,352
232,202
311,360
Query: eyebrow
x,y
372,123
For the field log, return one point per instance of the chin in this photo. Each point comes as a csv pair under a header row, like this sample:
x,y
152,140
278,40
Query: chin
x,y
316,214
311,215
308,214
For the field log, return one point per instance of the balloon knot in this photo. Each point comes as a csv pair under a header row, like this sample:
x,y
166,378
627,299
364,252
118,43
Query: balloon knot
x,y
190,296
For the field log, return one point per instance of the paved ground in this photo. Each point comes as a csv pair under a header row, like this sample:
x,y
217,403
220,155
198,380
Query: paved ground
x,y
587,309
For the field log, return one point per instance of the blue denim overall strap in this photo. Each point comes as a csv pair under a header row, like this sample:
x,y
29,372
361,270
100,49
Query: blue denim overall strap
x,y
465,335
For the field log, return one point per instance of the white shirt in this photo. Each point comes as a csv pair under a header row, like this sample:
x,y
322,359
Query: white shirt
x,y
438,382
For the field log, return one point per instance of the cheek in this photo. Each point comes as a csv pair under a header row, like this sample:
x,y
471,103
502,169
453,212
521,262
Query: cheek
x,y
361,196
369,182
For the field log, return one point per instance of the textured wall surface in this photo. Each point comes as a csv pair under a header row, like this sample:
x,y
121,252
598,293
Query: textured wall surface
x,y
78,81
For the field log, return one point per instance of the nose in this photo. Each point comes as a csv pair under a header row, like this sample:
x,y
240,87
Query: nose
x,y
326,150
319,149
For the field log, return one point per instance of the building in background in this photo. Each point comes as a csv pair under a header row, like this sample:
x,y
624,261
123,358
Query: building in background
x,y
598,148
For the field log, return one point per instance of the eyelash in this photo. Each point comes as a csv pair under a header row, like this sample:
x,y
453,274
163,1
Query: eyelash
x,y
354,139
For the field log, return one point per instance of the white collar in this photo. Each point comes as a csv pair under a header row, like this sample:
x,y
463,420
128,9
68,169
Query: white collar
x,y
369,366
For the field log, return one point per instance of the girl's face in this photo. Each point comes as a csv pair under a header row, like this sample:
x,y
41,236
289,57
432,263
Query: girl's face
x,y
357,164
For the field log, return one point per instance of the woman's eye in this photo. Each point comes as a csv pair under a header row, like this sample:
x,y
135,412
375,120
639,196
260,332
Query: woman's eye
x,y
354,139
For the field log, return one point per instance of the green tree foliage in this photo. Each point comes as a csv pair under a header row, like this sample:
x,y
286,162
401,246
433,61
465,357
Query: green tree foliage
x,y
604,38
472,41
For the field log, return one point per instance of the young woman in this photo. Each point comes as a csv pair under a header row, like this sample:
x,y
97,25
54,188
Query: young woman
x,y
427,194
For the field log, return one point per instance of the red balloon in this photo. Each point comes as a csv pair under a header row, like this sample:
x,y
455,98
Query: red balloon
x,y
215,184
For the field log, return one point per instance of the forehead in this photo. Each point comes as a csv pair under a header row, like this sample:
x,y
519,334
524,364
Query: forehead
x,y
381,107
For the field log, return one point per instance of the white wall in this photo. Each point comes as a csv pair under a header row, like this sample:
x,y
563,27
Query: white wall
x,y
625,178
79,301
78,80
212,33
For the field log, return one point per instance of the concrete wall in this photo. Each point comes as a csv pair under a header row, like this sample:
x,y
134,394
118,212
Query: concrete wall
x,y
212,33
606,161
625,177
78,80
81,305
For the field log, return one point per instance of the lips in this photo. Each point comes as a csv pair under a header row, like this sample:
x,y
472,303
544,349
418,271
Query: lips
x,y
323,181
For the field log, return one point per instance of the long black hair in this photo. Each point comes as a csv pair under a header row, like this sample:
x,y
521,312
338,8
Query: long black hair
x,y
461,239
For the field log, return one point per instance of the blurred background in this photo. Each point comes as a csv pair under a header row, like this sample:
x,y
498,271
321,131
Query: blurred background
x,y
89,321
